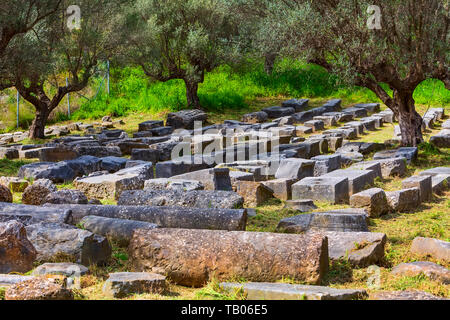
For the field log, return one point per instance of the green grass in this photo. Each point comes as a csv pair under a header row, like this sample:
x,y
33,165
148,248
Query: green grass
x,y
10,168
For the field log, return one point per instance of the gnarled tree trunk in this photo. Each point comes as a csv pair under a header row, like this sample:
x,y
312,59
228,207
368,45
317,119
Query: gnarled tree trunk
x,y
409,120
192,93
37,128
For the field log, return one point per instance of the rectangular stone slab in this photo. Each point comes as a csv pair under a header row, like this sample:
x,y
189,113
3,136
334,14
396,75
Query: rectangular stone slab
x,y
194,257
165,217
33,214
358,180
330,189
286,291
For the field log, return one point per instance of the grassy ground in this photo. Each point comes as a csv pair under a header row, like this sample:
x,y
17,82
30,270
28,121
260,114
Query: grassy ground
x,y
431,219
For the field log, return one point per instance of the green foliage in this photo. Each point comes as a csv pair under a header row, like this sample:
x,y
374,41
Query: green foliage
x,y
233,88
10,168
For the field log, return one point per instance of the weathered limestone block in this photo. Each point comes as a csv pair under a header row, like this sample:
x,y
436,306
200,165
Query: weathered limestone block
x,y
373,166
193,257
38,289
193,199
151,155
9,153
370,107
326,163
32,214
429,269
330,189
421,182
281,188
278,112
52,239
255,117
410,153
17,253
442,139
403,295
118,230
14,184
66,197
212,179
173,184
56,154
165,217
111,186
298,104
186,118
435,248
362,249
392,167
254,193
122,284
286,291
36,193
147,125
403,200
295,169
324,221
316,125
373,200
358,180
5,194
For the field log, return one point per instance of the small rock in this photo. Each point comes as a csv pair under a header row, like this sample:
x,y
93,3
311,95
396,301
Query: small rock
x,y
429,269
66,197
435,248
5,194
38,289
122,284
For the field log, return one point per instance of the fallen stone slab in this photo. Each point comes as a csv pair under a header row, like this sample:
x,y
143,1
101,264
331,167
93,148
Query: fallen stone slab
x,y
255,117
300,205
281,188
373,166
324,221
122,284
435,248
56,154
37,192
373,200
112,164
9,153
299,105
356,112
66,196
278,112
286,291
331,189
194,257
32,214
52,240
436,171
38,289
442,139
429,269
111,186
98,151
391,167
315,125
295,169
361,147
172,168
165,217
440,183
410,153
423,183
212,179
403,295
186,118
326,163
370,107
118,230
148,125
350,158
173,184
151,155
17,253
63,268
358,180
361,249
403,200
192,199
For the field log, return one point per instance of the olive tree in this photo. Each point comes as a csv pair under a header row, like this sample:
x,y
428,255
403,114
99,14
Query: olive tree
x,y
19,17
175,39
52,50
375,44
